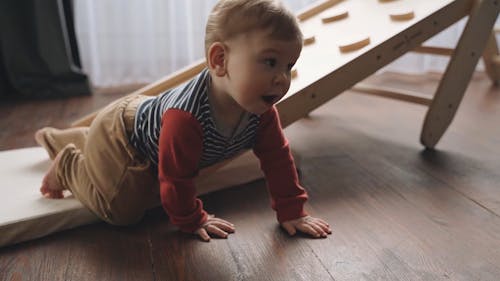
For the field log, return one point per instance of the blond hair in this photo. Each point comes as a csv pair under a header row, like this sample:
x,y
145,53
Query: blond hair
x,y
232,17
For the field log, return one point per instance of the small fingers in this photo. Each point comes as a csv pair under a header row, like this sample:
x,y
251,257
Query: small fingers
x,y
307,228
215,226
326,228
203,234
318,229
221,221
289,228
212,229
324,225
319,225
224,226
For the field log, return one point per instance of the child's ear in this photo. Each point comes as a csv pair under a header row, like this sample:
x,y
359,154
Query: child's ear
x,y
217,55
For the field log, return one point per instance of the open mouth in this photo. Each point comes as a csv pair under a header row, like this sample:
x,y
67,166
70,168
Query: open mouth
x,y
271,99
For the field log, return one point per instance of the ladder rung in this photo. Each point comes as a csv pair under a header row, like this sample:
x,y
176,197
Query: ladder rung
x,y
392,93
434,50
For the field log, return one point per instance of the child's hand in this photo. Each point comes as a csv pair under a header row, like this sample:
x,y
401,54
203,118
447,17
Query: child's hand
x,y
215,226
310,225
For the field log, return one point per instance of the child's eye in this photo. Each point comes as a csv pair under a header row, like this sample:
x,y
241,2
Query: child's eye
x,y
270,62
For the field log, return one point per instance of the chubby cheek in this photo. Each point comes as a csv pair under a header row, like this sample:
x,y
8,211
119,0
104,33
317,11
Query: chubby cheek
x,y
257,88
245,91
285,88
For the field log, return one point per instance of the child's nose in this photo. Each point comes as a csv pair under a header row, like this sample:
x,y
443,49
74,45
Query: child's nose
x,y
282,78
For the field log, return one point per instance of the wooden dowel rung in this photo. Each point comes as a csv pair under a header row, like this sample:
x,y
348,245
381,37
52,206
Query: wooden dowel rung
x,y
392,93
316,8
441,51
496,60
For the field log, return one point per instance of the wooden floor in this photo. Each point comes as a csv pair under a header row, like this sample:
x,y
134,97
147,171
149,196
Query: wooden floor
x,y
398,212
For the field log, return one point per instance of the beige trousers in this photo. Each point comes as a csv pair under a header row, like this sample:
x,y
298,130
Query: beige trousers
x,y
102,169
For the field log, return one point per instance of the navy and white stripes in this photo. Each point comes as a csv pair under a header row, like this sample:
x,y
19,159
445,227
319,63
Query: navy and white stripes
x,y
193,98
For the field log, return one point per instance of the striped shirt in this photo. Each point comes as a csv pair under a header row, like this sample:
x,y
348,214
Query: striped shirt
x,y
191,97
177,131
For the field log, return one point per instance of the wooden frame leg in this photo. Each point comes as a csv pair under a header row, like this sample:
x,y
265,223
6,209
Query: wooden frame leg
x,y
491,59
459,71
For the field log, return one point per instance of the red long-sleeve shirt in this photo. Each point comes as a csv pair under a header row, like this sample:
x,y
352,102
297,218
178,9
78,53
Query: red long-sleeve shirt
x,y
180,150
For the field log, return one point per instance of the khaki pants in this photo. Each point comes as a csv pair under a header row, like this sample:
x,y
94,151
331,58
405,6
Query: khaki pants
x,y
102,169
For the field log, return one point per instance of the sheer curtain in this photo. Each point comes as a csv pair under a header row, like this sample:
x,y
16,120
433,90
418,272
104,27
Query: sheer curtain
x,y
132,41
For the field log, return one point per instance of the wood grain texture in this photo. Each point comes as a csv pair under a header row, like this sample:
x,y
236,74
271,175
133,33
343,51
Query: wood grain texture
x,y
398,211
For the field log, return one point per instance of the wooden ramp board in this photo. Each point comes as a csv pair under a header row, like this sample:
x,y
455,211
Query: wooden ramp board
x,y
25,214
323,72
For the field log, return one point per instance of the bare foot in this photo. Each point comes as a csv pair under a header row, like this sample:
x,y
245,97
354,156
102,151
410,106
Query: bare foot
x,y
40,136
51,188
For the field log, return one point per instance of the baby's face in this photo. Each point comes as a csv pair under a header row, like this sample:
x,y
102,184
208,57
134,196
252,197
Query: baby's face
x,y
259,69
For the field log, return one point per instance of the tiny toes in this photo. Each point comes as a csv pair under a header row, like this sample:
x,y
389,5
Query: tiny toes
x,y
53,194
44,190
57,194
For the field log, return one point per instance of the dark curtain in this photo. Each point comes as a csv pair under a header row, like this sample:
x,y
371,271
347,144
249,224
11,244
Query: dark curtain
x,y
38,51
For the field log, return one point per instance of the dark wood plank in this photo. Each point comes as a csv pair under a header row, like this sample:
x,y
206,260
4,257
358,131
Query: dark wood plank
x,y
368,243
20,119
467,158
406,187
96,252
398,212
258,250
394,228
